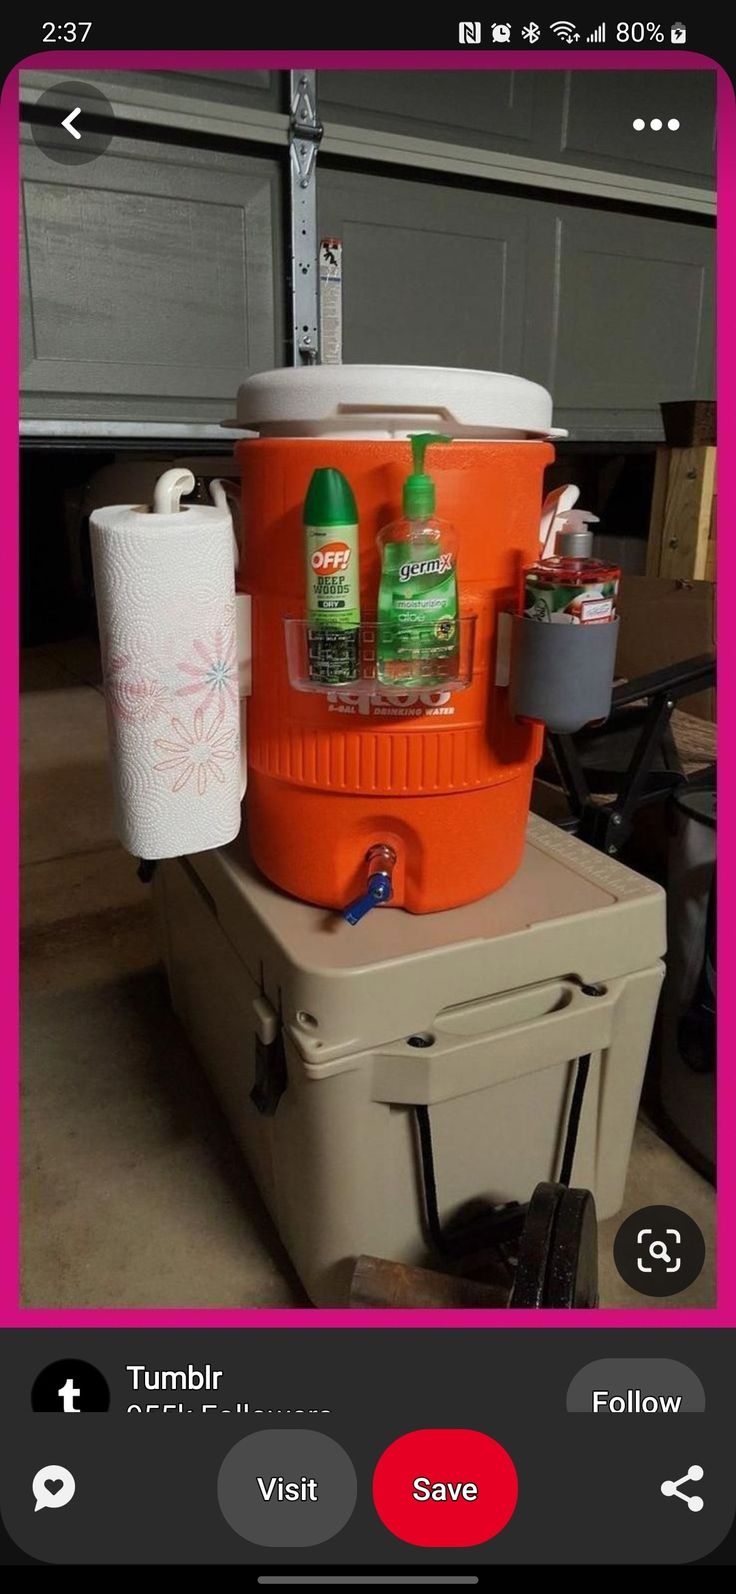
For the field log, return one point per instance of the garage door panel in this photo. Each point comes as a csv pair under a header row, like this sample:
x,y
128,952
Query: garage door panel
x,y
431,276
149,272
479,108
632,312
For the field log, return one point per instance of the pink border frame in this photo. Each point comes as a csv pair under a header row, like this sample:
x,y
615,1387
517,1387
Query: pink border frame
x,y
11,1314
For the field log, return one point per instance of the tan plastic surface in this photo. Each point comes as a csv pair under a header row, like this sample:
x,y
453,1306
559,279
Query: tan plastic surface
x,y
391,974
497,985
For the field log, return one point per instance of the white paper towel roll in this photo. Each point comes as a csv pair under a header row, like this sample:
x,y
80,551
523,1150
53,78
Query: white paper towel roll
x,y
165,592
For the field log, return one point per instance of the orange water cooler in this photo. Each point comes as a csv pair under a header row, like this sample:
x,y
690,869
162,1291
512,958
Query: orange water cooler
x,y
401,1088
438,780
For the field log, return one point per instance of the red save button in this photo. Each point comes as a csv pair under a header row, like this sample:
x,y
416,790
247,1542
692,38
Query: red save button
x,y
445,1487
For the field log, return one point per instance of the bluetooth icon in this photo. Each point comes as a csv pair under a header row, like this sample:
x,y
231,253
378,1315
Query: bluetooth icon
x,y
531,33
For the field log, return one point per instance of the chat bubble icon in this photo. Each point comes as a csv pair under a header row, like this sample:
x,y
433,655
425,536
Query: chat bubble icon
x,y
52,1488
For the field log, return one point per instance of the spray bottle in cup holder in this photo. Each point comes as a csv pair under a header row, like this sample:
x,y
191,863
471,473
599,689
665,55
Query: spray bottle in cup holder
x,y
567,586
561,671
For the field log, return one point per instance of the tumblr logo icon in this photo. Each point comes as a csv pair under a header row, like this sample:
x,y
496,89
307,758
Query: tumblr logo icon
x,y
70,1387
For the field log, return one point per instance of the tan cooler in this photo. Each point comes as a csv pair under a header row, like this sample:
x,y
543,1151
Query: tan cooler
x,y
320,1040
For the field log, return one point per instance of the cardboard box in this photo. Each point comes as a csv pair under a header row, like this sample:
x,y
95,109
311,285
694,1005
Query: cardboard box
x,y
664,622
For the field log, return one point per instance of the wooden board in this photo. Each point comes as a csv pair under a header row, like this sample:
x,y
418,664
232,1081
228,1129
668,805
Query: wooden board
x,y
682,522
656,518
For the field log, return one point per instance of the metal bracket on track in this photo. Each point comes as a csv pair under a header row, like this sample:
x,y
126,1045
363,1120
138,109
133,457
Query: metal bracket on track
x,y
305,134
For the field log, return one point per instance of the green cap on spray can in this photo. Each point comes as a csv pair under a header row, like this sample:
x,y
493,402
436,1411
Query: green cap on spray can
x,y
330,500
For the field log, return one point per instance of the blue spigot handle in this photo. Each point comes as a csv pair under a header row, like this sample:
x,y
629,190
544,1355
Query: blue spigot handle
x,y
379,888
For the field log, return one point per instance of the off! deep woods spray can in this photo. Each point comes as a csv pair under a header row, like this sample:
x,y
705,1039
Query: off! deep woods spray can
x,y
332,579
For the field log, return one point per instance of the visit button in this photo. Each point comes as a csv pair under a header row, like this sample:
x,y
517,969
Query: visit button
x,y
445,1487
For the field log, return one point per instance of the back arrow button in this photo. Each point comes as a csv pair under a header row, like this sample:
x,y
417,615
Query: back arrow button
x,y
73,123
72,117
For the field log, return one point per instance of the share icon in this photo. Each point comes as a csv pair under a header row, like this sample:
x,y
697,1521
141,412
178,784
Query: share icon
x,y
672,1487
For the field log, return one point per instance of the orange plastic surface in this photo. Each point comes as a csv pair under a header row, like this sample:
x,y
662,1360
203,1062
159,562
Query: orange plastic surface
x,y
444,779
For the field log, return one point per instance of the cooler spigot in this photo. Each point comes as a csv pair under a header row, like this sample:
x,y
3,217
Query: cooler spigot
x,y
380,860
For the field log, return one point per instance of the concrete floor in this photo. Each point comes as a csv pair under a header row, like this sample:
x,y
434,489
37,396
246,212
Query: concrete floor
x,y
134,1191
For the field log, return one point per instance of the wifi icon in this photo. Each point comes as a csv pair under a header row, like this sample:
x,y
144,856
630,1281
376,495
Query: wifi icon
x,y
566,31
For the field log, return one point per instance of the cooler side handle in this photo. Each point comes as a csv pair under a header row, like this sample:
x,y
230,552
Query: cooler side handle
x,y
457,1067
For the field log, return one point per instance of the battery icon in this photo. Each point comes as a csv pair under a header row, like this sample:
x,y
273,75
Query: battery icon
x,y
678,33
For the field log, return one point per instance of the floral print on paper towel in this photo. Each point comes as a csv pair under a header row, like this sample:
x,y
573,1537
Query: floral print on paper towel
x,y
133,698
137,701
214,670
199,754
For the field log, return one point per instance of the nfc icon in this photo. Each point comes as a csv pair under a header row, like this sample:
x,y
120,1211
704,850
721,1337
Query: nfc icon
x,y
469,33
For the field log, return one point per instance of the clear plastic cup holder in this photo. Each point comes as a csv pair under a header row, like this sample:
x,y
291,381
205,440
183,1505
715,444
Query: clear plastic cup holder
x,y
320,661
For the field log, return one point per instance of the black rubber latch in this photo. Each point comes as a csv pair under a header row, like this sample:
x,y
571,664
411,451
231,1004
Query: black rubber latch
x,y
271,1075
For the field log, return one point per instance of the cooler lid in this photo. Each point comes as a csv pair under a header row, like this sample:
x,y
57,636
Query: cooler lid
x,y
391,400
569,910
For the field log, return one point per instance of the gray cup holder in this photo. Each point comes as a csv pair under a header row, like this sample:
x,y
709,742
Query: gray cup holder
x,y
561,674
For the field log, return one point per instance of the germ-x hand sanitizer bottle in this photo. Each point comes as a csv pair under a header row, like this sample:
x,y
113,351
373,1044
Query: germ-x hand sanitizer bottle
x,y
418,617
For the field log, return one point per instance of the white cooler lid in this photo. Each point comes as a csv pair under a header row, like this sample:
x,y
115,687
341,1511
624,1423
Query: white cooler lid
x,y
391,400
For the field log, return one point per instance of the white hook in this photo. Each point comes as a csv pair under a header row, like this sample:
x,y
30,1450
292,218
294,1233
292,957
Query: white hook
x,y
555,504
173,485
222,493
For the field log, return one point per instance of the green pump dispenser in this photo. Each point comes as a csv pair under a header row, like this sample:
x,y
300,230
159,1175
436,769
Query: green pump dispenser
x,y
419,496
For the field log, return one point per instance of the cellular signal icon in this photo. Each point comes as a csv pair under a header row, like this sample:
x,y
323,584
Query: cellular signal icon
x,y
598,36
